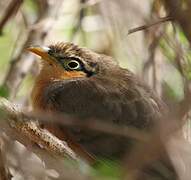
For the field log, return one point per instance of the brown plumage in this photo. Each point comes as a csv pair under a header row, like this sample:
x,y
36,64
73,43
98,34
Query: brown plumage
x,y
87,85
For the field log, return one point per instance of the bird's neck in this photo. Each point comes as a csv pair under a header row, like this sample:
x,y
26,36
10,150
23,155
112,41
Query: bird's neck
x,y
42,81
48,75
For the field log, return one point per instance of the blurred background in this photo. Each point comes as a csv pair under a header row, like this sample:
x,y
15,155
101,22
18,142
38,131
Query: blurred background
x,y
158,51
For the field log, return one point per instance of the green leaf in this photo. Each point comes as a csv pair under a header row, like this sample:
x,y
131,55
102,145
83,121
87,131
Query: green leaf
x,y
4,91
108,170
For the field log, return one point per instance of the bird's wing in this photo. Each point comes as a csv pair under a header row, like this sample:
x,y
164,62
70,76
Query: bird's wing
x,y
123,103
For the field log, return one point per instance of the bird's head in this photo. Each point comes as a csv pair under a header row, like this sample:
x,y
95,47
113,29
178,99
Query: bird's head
x,y
66,60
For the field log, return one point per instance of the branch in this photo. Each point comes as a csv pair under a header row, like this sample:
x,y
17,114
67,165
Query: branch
x,y
27,131
92,124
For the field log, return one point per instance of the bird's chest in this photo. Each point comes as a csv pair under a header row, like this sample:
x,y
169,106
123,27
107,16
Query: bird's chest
x,y
37,96
82,101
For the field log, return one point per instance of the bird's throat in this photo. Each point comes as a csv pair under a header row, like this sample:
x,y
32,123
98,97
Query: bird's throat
x,y
48,75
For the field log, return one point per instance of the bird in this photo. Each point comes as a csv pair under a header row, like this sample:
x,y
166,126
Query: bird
x,y
86,85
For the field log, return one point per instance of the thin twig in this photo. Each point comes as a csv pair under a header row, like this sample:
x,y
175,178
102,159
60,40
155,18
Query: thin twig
x,y
151,62
11,9
92,124
144,27
78,26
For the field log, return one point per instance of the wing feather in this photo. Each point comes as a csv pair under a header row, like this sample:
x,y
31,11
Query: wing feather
x,y
126,102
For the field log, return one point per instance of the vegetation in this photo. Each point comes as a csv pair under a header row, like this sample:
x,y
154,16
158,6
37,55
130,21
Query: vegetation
x,y
151,38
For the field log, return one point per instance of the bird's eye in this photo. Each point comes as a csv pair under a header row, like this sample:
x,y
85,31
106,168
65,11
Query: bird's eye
x,y
73,65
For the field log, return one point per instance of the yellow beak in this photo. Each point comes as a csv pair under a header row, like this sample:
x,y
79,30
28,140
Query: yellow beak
x,y
40,51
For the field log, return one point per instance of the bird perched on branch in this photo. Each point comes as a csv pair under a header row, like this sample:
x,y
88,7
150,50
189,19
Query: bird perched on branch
x,y
86,85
